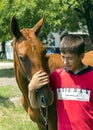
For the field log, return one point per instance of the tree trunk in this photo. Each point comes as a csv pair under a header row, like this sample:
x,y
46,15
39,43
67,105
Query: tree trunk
x,y
87,5
90,30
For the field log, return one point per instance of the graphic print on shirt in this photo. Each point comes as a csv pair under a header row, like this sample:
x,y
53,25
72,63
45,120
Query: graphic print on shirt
x,y
73,94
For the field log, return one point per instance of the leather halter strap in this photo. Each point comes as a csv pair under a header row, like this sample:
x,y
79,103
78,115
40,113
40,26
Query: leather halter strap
x,y
21,65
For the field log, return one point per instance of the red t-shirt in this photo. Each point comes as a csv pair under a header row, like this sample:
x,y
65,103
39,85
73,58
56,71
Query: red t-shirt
x,y
74,98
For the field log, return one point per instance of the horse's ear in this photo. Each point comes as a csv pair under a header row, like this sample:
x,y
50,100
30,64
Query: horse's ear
x,y
14,27
38,25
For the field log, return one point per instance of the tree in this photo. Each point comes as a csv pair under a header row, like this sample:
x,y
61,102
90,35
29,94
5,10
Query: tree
x,y
23,10
87,13
59,15
78,12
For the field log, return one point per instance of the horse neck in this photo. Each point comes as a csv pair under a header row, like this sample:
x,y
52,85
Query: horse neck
x,y
46,65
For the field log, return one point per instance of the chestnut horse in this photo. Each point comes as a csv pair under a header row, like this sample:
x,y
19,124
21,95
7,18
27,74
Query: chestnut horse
x,y
29,57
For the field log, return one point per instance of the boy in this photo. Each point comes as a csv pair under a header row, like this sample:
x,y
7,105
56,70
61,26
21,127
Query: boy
x,y
73,86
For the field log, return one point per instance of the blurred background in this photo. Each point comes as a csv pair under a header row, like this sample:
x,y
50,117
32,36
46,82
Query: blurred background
x,y
61,17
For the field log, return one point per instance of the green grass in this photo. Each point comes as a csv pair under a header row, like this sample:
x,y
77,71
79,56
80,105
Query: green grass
x,y
7,72
5,60
12,114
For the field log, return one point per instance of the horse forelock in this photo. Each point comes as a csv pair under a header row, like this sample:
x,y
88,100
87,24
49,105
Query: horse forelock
x,y
32,40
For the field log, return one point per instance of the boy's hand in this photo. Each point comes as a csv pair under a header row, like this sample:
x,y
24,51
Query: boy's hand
x,y
38,80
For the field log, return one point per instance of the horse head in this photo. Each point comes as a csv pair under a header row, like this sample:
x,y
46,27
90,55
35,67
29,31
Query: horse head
x,y
30,57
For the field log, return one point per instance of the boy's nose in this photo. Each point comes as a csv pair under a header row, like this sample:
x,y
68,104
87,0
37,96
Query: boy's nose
x,y
65,61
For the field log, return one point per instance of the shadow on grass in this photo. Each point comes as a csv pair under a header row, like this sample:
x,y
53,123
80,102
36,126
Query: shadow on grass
x,y
7,72
5,101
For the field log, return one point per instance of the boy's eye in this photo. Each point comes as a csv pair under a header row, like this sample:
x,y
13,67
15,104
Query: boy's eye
x,y
67,58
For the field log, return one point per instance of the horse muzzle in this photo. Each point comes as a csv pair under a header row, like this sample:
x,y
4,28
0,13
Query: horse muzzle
x,y
44,96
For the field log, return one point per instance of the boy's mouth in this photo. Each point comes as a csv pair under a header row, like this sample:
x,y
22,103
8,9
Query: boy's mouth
x,y
68,67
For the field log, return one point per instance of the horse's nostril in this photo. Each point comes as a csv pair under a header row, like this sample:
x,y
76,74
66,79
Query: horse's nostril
x,y
43,99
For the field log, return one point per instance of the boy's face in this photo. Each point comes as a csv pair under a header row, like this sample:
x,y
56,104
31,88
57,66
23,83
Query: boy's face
x,y
72,61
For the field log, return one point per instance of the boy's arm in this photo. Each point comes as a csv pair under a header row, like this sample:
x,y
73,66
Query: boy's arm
x,y
38,80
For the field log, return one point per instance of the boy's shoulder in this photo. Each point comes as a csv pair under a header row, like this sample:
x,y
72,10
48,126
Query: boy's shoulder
x,y
57,71
63,69
90,69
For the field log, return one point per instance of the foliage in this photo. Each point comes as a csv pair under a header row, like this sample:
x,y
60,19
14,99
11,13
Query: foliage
x,y
59,15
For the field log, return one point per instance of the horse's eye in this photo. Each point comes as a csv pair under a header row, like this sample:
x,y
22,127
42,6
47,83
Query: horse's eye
x,y
23,59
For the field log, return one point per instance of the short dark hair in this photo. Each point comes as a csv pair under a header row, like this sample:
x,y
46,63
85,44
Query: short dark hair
x,y
72,44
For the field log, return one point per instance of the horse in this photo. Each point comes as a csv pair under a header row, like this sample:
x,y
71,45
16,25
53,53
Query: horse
x,y
29,57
